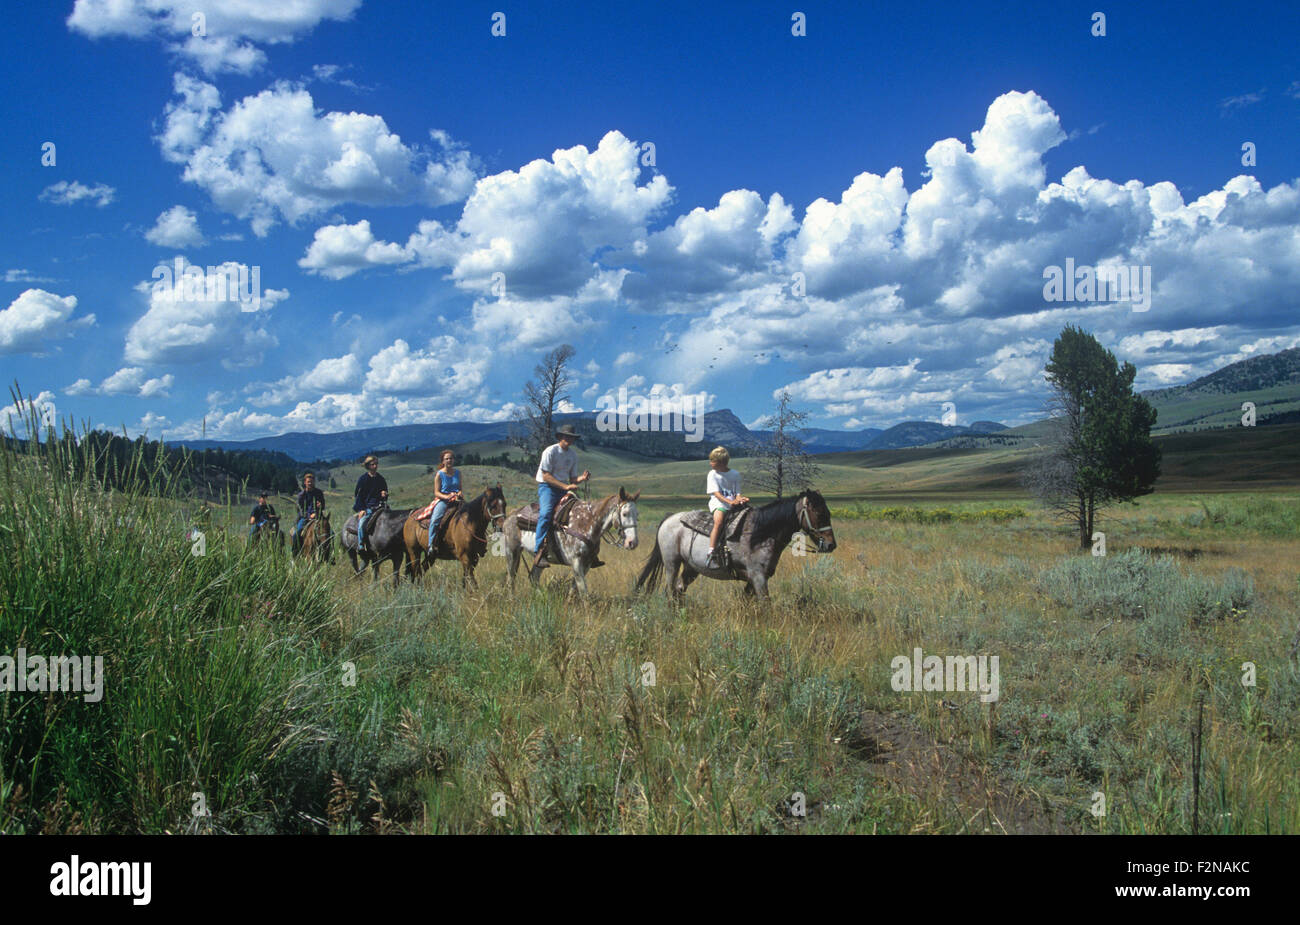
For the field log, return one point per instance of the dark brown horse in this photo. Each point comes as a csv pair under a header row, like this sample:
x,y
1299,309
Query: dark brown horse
x,y
464,538
318,538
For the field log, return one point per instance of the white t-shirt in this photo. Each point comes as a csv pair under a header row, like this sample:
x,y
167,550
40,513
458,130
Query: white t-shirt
x,y
727,483
561,463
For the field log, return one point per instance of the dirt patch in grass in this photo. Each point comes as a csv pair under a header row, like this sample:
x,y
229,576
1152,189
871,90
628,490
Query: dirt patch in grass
x,y
896,750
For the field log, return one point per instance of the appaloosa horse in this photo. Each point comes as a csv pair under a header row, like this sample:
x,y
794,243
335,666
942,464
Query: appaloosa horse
x,y
383,541
579,539
464,535
754,550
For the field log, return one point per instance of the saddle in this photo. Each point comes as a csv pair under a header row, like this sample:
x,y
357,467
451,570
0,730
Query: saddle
x,y
452,509
733,523
526,519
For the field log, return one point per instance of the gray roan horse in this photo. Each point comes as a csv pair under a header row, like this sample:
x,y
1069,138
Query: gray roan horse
x,y
383,541
754,554
579,541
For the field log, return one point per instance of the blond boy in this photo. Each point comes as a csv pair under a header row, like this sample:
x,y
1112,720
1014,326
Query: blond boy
x,y
723,487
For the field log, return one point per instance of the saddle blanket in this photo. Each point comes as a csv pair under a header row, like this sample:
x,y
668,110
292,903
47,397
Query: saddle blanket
x,y
426,513
702,522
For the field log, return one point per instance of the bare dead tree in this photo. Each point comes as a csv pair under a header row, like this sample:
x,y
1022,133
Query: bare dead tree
x,y
779,463
533,427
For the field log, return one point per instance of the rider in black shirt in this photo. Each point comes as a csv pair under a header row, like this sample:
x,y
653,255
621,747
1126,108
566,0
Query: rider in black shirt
x,y
259,514
371,492
309,499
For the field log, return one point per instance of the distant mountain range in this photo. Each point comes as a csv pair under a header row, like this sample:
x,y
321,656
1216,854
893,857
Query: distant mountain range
x,y
720,427
1272,382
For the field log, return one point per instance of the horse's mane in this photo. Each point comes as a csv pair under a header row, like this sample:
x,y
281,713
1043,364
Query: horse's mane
x,y
465,508
773,515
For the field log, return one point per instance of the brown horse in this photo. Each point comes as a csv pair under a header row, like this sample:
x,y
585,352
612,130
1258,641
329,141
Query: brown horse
x,y
318,538
464,538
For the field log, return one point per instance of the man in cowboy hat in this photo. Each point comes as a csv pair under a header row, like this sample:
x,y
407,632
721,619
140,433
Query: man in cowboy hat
x,y
556,476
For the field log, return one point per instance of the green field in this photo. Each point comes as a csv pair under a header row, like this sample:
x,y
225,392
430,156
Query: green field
x,y
296,698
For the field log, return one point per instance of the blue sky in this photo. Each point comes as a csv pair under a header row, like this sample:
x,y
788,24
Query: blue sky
x,y
862,214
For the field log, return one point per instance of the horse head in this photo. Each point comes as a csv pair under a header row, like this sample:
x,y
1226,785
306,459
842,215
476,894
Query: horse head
x,y
621,520
815,519
494,503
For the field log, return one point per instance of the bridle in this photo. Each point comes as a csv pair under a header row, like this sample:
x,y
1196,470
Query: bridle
x,y
496,520
613,534
806,525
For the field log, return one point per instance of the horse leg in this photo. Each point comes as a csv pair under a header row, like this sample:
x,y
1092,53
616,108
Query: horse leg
x,y
758,584
688,575
580,575
672,567
514,552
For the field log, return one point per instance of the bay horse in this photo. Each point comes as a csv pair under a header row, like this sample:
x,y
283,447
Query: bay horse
x,y
613,518
464,537
318,538
383,541
754,554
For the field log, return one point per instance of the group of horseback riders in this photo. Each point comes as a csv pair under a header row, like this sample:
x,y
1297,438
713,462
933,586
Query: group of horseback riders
x,y
557,476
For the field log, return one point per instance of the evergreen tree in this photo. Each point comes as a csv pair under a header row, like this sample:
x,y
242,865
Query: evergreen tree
x,y
1101,451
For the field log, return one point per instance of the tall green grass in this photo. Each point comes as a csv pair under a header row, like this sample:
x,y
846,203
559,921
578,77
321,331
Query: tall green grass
x,y
214,664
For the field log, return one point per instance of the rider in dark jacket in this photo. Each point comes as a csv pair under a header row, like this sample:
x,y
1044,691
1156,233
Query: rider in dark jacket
x,y
371,492
260,514
309,500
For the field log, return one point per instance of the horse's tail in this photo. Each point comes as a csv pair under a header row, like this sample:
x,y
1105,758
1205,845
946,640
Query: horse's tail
x,y
654,566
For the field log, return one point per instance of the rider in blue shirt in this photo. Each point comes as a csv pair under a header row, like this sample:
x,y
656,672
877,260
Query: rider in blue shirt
x,y
446,488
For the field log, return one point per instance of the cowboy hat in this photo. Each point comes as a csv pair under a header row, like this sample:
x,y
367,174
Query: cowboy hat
x,y
566,430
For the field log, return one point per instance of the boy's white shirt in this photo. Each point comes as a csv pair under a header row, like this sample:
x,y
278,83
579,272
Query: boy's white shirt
x,y
726,484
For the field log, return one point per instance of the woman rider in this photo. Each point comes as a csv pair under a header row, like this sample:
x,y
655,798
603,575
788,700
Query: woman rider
x,y
446,489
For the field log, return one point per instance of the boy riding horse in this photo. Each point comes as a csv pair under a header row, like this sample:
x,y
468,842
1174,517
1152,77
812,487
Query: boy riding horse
x,y
556,477
310,500
371,492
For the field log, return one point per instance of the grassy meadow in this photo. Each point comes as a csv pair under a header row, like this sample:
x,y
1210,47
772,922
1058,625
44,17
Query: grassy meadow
x,y
248,693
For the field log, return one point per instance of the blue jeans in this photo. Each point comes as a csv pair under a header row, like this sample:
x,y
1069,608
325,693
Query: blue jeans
x,y
296,535
361,527
439,510
548,496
